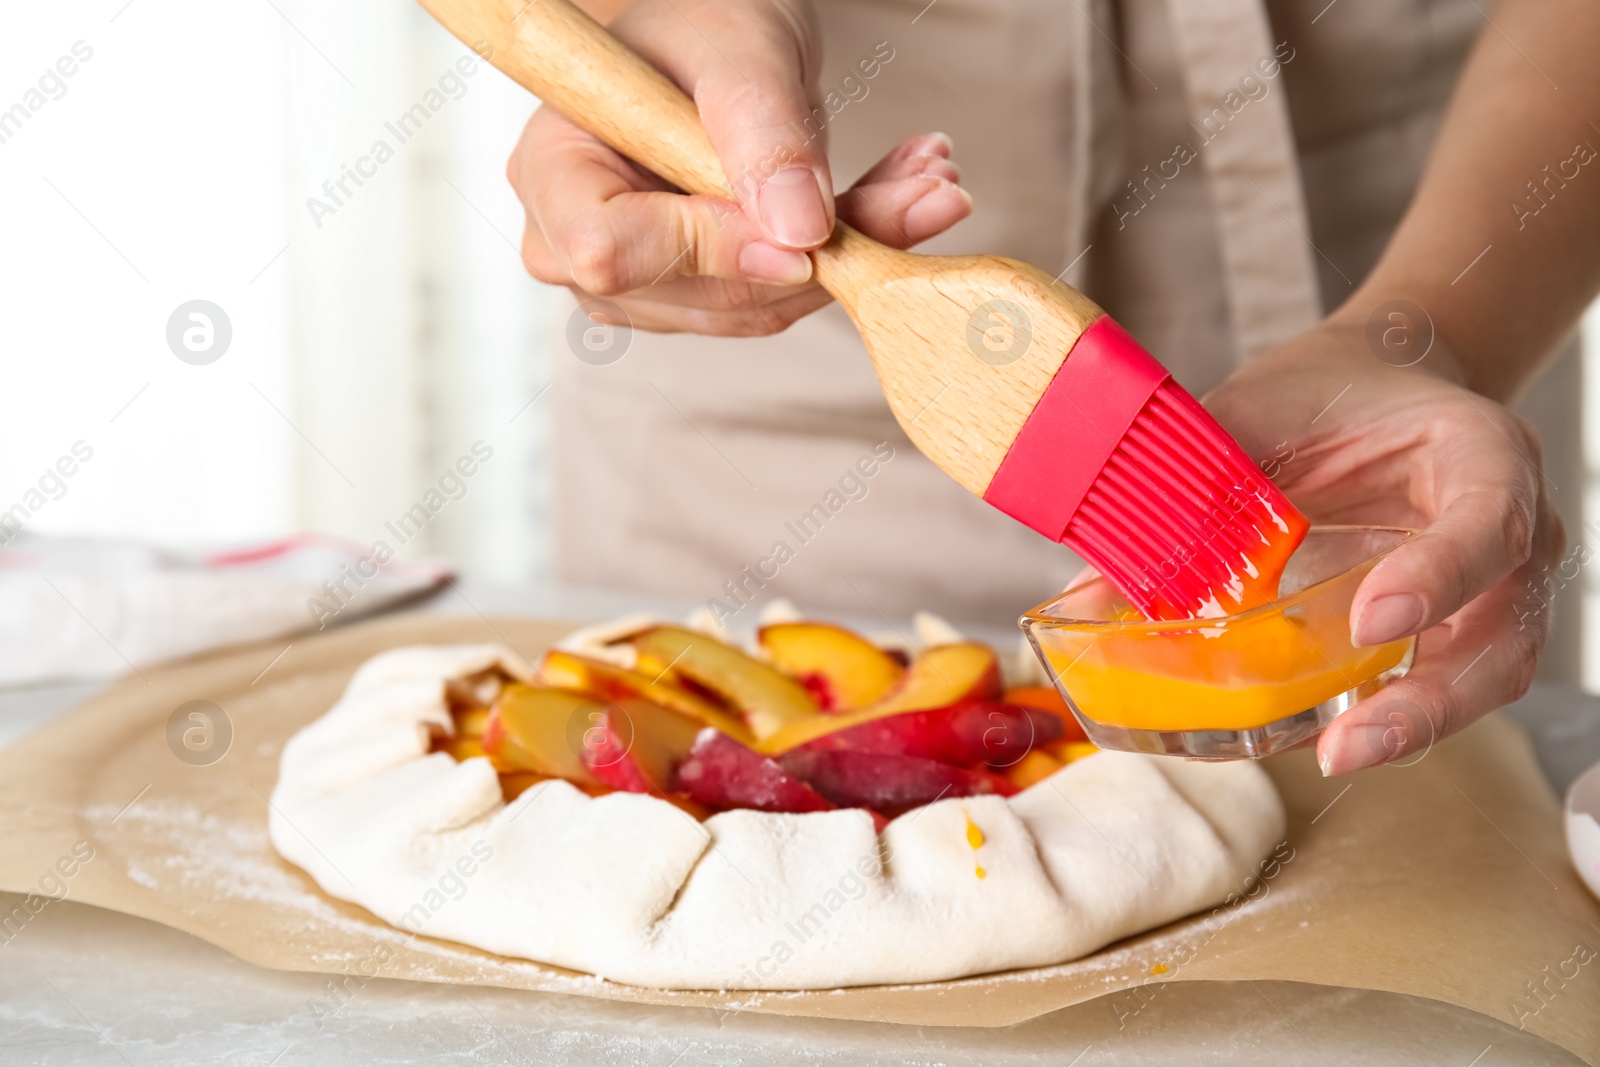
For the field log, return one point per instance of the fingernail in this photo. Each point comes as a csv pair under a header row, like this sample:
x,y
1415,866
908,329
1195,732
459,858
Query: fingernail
x,y
1353,747
936,167
932,143
1387,618
777,266
941,207
791,208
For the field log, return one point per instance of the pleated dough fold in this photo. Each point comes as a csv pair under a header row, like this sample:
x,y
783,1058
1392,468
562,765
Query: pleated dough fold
x,y
631,888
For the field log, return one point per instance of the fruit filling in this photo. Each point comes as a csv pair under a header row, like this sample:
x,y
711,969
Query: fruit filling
x,y
815,718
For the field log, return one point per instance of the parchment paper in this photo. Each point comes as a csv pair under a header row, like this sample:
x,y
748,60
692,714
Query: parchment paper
x,y
1446,879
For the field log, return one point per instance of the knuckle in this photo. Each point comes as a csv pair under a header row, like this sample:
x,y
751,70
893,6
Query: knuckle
x,y
1454,572
594,257
1517,525
1436,706
697,227
1521,662
1450,709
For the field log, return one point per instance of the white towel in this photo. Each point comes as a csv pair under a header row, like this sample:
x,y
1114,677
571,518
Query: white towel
x,y
90,608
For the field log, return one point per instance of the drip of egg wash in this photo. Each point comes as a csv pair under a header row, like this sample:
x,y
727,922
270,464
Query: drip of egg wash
x,y
975,839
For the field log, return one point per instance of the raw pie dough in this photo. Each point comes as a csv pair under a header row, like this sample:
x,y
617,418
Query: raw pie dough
x,y
630,888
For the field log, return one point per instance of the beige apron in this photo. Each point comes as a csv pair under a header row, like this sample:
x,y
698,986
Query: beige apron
x,y
738,469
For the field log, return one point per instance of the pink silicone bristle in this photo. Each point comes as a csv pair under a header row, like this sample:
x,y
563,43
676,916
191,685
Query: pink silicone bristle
x,y
1177,512
1117,461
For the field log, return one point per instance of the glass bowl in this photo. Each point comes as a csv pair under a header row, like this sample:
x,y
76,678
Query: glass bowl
x,y
1237,686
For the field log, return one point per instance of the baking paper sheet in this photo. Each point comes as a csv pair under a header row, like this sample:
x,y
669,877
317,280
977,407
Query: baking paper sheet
x,y
1446,879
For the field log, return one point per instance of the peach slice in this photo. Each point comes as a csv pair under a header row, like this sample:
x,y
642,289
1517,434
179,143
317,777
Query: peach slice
x,y
889,784
942,676
945,675
842,669
964,735
633,745
541,730
514,783
1045,698
472,723
1033,768
767,698
461,748
722,773
1072,751
467,742
607,681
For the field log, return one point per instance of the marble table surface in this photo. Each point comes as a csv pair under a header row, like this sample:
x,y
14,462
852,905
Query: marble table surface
x,y
85,986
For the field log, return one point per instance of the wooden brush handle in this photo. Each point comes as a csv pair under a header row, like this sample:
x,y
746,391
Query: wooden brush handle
x,y
570,62
923,318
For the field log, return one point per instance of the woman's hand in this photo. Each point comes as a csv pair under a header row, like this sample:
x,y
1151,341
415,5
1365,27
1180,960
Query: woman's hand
x,y
1353,439
602,226
1356,438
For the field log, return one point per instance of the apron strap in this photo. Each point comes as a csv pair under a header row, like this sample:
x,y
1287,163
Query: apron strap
x,y
1094,84
1239,122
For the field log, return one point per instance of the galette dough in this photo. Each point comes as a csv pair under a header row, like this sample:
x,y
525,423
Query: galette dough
x,y
630,888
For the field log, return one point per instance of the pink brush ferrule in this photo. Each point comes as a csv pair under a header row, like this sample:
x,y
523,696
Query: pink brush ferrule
x,y
1104,383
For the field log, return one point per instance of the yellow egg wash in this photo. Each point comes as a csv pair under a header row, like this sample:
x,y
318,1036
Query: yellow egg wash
x,y
1235,676
975,839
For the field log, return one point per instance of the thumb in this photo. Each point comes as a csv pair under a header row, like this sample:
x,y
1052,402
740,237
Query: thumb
x,y
747,67
772,148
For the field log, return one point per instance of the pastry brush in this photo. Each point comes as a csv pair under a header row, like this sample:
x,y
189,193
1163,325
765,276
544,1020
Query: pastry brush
x,y
1014,383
